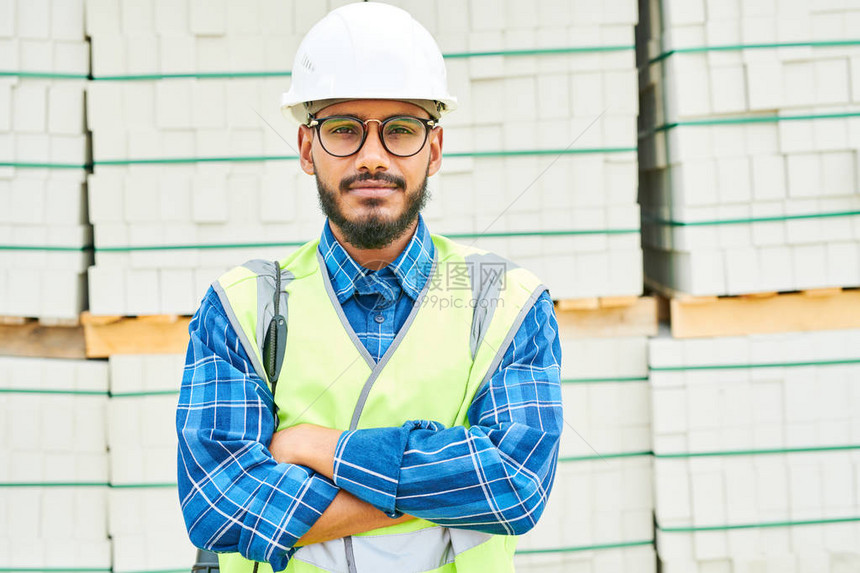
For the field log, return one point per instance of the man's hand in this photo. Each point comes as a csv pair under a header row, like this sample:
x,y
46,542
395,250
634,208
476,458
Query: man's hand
x,y
306,445
313,447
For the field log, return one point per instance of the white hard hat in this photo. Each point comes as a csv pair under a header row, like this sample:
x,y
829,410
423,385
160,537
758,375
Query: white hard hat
x,y
367,50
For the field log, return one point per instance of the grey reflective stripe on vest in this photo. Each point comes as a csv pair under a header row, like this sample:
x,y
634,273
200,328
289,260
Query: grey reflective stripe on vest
x,y
376,367
376,370
339,310
265,271
486,287
243,338
413,552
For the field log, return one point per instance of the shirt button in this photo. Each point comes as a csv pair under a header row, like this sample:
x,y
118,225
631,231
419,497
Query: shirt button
x,y
379,318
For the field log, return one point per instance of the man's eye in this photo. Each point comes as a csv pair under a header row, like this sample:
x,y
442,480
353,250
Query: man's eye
x,y
400,129
342,130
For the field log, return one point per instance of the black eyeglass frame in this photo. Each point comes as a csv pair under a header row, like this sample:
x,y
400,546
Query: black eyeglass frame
x,y
428,123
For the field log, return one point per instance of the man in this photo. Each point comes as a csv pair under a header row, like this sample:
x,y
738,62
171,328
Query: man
x,y
417,417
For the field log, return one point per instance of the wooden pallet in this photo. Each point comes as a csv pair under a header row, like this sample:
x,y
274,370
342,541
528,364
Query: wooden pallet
x,y
32,338
607,316
158,334
762,313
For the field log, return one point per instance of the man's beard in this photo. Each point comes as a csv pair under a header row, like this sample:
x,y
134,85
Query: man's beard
x,y
373,231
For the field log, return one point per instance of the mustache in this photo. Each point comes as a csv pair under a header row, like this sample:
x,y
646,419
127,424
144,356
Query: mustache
x,y
395,180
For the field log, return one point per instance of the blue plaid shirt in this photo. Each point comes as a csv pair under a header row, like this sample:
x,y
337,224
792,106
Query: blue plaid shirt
x,y
494,476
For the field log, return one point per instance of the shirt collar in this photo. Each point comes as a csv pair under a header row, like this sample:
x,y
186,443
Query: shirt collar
x,y
411,268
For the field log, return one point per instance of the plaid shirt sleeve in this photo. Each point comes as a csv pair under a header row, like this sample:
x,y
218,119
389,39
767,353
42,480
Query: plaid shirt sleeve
x,y
494,476
234,496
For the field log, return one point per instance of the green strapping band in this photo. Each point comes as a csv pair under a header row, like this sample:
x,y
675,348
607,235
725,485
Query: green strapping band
x,y
156,571
540,51
758,452
605,456
193,75
750,119
747,220
568,233
256,158
276,244
603,380
43,165
145,394
45,75
587,547
288,73
478,154
759,525
738,47
841,362
55,569
44,248
45,391
143,485
54,484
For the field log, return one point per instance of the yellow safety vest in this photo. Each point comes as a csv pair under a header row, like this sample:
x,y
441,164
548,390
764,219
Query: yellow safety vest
x,y
451,343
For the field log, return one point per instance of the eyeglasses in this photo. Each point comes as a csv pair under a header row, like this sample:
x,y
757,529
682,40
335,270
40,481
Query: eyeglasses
x,y
343,135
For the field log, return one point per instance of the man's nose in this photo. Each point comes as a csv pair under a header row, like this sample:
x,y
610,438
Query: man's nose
x,y
372,156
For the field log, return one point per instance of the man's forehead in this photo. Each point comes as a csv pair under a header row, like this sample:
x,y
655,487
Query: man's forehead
x,y
373,108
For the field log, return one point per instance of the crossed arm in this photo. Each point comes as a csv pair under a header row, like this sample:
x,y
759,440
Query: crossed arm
x,y
312,484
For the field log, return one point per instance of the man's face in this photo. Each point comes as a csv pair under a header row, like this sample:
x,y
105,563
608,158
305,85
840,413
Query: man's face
x,y
371,197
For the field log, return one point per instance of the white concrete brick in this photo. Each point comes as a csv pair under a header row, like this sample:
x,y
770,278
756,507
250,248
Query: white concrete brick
x,y
143,291
137,17
832,82
68,149
768,177
212,53
66,109
728,93
141,52
67,19
679,12
689,81
843,264
177,291
486,15
208,18
107,290
102,17
34,19
810,266
7,18
803,174
209,104
108,55
854,64
171,18
105,193
764,85
29,114
209,198
799,83
174,103
177,53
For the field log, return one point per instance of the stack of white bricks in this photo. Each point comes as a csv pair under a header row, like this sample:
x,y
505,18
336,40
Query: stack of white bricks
x,y
139,211
53,465
146,524
570,216
757,452
767,137
599,518
43,151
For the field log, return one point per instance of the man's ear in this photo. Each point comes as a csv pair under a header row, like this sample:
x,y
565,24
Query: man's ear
x,y
435,151
306,140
